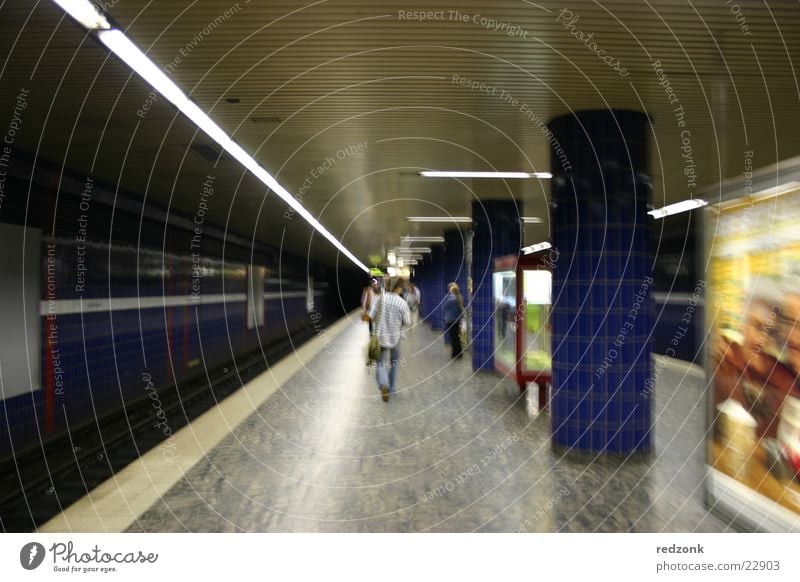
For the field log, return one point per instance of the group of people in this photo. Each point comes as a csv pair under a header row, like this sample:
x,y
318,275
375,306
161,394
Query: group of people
x,y
388,313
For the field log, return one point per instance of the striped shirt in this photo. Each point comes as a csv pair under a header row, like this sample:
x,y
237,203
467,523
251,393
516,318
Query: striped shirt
x,y
394,314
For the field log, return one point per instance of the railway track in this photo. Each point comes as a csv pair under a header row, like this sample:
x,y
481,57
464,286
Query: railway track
x,y
39,483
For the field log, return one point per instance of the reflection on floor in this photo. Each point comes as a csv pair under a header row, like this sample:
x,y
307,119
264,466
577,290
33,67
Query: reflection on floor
x,y
453,451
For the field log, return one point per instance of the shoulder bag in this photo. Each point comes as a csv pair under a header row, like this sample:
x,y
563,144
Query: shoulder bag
x,y
374,347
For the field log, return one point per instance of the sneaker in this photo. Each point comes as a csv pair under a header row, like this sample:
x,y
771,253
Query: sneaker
x,y
385,393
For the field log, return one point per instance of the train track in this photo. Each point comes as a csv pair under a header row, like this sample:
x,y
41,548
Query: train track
x,y
38,484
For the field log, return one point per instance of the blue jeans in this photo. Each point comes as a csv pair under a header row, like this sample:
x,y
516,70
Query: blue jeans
x,y
392,354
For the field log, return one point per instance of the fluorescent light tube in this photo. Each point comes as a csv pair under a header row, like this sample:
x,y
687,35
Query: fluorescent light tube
x,y
439,219
677,208
84,12
542,246
525,219
120,45
427,239
497,175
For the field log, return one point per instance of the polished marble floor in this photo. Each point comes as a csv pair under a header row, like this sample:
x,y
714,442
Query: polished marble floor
x,y
454,451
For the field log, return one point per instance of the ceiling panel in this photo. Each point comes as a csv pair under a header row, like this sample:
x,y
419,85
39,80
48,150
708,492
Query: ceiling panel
x,y
301,85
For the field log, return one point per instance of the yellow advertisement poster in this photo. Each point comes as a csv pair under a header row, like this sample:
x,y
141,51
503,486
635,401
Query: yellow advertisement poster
x,y
754,345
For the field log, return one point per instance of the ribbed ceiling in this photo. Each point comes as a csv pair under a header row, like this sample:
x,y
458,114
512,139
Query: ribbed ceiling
x,y
308,81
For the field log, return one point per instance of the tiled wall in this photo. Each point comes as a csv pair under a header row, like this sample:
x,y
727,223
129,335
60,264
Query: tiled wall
x,y
436,286
104,353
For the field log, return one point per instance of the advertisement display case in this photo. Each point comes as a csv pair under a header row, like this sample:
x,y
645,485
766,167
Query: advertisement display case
x,y
753,350
522,295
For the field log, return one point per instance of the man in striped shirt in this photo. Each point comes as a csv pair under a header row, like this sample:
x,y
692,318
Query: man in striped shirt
x,y
392,313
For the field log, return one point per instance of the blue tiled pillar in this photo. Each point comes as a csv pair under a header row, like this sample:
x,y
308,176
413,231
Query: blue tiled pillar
x,y
455,264
436,286
497,228
601,316
420,280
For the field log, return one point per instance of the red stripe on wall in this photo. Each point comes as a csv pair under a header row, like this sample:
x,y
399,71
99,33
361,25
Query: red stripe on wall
x,y
51,338
187,291
170,367
243,339
49,380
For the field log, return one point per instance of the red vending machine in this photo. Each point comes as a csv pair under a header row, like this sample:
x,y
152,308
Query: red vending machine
x,y
522,293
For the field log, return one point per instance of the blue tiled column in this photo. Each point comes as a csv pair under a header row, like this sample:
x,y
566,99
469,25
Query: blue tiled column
x,y
601,316
497,227
436,286
420,280
455,264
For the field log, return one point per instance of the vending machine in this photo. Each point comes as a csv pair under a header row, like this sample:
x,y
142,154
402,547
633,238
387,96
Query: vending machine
x,y
522,295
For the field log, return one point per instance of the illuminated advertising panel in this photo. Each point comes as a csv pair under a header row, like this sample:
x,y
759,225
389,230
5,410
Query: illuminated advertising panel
x,y
753,352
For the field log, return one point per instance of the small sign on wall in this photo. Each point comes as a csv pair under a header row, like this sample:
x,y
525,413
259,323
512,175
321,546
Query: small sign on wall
x,y
310,295
255,296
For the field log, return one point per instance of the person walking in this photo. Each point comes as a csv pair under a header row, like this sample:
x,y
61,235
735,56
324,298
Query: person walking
x,y
413,298
453,309
390,313
368,296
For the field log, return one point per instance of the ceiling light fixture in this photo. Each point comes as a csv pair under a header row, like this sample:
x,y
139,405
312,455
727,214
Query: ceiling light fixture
x,y
84,12
677,208
116,41
120,45
425,239
439,219
542,246
531,220
497,175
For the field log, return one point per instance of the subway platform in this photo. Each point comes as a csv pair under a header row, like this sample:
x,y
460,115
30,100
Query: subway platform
x,y
309,446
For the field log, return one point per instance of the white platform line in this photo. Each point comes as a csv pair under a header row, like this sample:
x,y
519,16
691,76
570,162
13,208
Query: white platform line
x,y
118,502
92,305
